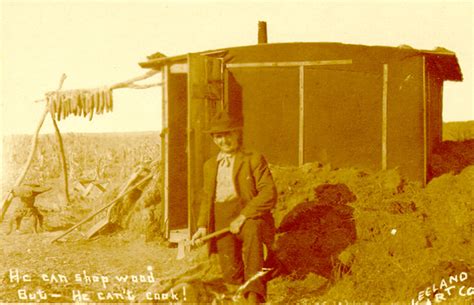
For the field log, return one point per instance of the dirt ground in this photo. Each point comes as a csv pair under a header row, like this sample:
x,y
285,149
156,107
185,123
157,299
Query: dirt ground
x,y
108,256
34,270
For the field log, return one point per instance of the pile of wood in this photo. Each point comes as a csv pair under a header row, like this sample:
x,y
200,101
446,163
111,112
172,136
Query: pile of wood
x,y
314,233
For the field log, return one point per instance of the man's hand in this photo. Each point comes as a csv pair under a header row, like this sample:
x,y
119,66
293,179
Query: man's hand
x,y
196,239
236,224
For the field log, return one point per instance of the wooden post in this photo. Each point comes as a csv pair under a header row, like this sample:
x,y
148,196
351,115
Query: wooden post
x,y
301,117
262,32
384,116
61,145
63,157
165,147
425,146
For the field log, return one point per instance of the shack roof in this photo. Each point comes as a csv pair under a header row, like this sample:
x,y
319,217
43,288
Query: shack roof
x,y
444,60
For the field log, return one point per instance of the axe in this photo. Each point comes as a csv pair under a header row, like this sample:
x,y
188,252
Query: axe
x,y
185,244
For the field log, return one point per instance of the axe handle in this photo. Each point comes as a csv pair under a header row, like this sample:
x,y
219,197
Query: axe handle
x,y
186,243
214,234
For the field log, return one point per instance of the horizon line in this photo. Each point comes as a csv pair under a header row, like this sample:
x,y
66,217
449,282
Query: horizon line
x,y
82,132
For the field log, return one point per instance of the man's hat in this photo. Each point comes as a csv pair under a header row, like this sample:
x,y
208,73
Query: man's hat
x,y
223,122
29,190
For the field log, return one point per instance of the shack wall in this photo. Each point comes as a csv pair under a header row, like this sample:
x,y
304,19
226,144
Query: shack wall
x,y
270,112
343,111
435,102
406,109
343,117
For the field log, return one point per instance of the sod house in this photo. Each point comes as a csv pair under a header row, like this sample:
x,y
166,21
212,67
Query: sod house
x,y
370,107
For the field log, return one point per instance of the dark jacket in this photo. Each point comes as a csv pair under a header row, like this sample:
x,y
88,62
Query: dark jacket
x,y
253,183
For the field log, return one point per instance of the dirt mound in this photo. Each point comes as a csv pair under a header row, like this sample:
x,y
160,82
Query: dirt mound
x,y
404,239
404,231
334,194
314,233
451,156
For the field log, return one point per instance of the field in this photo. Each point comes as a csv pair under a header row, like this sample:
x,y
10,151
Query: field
x,y
409,238
95,156
458,131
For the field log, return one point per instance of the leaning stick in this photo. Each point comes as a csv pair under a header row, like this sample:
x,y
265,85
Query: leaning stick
x,y
61,145
103,208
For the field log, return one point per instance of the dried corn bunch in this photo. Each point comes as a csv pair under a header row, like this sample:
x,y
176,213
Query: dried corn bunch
x,y
79,102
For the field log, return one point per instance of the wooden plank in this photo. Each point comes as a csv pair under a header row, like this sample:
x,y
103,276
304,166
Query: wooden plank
x,y
384,116
289,63
159,62
108,205
425,151
97,227
301,117
204,77
179,68
165,147
192,103
224,105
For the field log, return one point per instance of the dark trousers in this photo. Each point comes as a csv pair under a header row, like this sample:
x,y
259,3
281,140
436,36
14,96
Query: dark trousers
x,y
241,255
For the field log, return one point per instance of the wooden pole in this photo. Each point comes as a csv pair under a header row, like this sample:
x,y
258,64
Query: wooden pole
x,y
61,145
130,82
63,158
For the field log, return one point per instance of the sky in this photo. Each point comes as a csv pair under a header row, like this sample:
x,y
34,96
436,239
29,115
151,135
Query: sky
x,y
98,43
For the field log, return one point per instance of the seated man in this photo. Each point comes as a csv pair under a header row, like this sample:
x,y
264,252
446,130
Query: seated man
x,y
239,193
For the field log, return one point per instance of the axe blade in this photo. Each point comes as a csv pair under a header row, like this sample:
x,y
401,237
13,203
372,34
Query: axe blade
x,y
183,246
181,251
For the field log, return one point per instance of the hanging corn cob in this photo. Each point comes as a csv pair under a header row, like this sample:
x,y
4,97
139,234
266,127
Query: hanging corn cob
x,y
80,102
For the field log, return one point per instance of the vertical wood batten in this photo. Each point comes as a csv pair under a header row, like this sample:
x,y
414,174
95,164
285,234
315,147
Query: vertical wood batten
x,y
301,117
165,147
225,88
425,152
189,144
384,116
